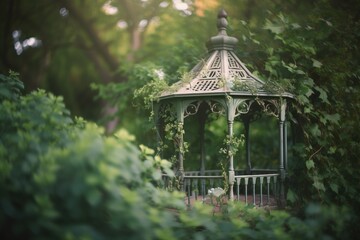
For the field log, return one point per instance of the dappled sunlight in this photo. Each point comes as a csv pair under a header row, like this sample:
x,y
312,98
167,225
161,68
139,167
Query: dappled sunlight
x,y
21,45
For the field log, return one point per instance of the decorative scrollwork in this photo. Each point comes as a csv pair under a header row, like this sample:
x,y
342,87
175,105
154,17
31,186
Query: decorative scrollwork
x,y
270,107
243,108
216,107
192,108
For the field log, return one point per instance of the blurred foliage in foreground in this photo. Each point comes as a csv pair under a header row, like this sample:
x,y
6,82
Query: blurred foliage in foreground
x,y
64,179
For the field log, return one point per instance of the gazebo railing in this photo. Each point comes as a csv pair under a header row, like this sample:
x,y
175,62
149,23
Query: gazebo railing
x,y
195,185
257,189
256,184
205,172
263,171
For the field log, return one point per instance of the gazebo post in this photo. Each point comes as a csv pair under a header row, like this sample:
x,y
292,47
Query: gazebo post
x,y
247,145
285,146
202,120
282,140
156,109
231,108
231,162
180,122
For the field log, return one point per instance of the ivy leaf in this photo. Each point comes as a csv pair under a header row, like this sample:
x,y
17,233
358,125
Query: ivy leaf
x,y
323,95
295,25
333,118
146,150
310,164
307,110
300,72
315,131
305,90
319,185
334,187
302,99
332,150
93,197
316,63
273,28
291,196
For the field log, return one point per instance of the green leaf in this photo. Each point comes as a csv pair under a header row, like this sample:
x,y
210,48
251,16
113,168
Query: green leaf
x,y
333,118
273,28
295,25
310,164
146,150
323,95
301,72
305,90
319,185
291,196
315,131
93,197
332,150
316,63
334,187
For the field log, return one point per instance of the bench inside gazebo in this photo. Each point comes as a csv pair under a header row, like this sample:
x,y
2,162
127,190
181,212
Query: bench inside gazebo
x,y
222,85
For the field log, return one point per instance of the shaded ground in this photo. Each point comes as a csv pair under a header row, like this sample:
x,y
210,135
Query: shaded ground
x,y
266,203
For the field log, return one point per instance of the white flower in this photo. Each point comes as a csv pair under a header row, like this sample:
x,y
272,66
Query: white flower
x,y
218,192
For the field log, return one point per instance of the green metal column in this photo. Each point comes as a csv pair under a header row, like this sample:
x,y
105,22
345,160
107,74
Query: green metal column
x,y
202,120
285,147
231,163
231,109
231,133
282,151
247,145
281,143
180,121
157,120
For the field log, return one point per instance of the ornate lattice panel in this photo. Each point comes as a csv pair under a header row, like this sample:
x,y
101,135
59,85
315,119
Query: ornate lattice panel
x,y
236,71
217,69
216,64
237,74
233,64
206,85
211,74
208,79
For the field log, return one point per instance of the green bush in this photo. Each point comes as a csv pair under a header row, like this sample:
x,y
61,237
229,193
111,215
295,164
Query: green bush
x,y
64,179
10,86
92,186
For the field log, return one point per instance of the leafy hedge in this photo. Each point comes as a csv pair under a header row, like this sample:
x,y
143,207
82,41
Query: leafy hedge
x,y
64,179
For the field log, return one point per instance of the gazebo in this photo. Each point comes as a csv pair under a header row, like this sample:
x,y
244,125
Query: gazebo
x,y
221,83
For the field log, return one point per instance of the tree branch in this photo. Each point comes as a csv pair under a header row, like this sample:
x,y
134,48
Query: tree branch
x,y
98,44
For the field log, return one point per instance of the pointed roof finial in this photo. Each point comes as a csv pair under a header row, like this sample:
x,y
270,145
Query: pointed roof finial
x,y
221,41
222,23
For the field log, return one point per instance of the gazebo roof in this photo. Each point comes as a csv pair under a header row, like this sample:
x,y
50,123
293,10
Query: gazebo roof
x,y
221,72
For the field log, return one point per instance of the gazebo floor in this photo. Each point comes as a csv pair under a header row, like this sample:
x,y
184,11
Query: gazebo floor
x,y
270,203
